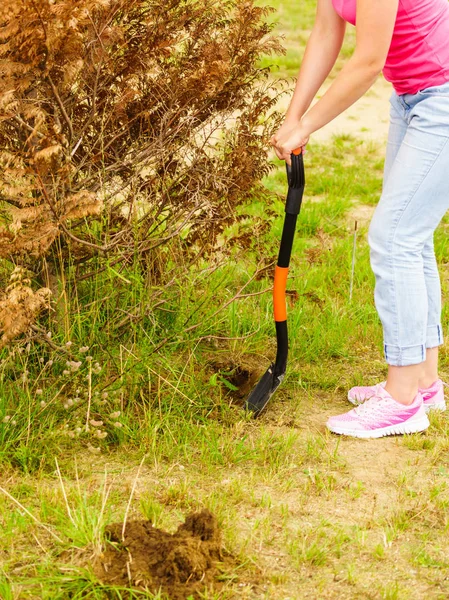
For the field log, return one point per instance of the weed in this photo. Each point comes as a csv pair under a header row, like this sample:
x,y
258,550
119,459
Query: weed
x,y
392,591
152,510
312,552
356,489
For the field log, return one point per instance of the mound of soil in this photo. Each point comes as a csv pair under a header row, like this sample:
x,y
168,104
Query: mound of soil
x,y
181,564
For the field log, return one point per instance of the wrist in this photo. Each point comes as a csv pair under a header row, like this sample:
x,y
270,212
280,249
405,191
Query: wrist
x,y
306,125
292,118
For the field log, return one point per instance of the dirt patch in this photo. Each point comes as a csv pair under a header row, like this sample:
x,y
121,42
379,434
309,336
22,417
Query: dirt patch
x,y
362,213
180,564
236,379
243,380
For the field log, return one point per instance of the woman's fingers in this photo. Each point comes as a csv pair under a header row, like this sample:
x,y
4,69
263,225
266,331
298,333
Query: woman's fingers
x,y
285,144
278,153
279,149
284,154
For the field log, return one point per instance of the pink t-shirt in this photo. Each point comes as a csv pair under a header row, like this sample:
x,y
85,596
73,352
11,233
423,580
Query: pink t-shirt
x,y
419,52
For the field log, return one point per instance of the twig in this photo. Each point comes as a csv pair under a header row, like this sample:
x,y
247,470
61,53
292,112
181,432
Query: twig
x,y
170,384
69,234
41,335
131,497
69,512
61,106
31,515
94,107
238,338
77,145
89,395
101,269
354,244
237,296
27,126
133,316
265,291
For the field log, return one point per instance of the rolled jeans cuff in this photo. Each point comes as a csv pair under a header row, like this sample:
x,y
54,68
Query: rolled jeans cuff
x,y
434,336
403,357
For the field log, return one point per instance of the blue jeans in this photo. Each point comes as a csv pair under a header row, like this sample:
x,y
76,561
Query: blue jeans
x,y
414,199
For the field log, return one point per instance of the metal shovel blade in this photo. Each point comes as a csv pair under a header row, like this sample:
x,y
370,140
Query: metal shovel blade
x,y
261,394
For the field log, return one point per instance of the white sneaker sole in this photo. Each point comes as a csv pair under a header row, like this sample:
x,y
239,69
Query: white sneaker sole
x,y
411,426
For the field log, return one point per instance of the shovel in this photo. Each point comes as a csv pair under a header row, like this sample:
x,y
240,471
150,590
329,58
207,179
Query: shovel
x,y
271,380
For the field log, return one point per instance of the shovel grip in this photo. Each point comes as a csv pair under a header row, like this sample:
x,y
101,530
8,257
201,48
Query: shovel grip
x,y
296,182
279,287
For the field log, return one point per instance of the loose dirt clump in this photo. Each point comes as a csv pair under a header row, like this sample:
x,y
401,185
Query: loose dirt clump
x,y
180,564
236,379
243,380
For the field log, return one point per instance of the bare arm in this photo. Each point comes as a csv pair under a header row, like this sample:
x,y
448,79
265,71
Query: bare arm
x,y
321,53
374,30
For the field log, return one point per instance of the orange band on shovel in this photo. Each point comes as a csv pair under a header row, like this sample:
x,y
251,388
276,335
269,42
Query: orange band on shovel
x,y
280,284
297,151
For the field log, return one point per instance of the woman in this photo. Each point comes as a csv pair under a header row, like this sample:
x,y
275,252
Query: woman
x,y
408,41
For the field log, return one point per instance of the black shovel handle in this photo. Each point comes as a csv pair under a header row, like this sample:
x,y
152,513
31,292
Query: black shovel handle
x,y
296,183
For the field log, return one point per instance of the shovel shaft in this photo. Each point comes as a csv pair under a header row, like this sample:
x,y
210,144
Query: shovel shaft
x,y
296,182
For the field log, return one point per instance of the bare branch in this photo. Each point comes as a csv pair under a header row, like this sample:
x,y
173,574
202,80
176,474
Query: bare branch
x,y
61,107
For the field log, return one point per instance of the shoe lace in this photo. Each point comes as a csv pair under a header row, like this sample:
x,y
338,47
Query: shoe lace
x,y
374,405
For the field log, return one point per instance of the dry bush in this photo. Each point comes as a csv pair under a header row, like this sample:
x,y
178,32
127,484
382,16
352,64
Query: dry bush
x,y
19,306
149,116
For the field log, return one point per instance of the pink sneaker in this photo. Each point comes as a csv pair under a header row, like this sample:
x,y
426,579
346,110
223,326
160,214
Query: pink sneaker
x,y
381,415
433,396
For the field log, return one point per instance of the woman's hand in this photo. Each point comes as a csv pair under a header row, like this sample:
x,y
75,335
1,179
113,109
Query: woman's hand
x,y
290,136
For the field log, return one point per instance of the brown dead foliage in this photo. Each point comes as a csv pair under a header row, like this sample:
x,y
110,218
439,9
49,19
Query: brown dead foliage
x,y
149,114
19,306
